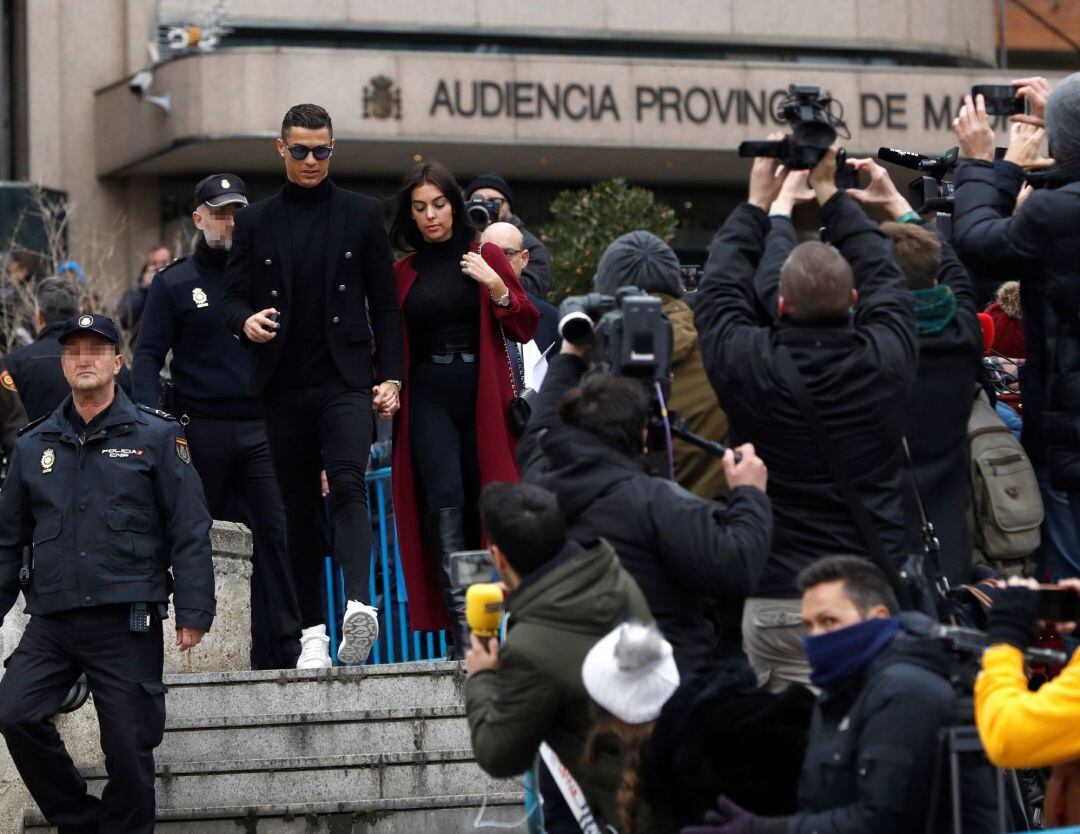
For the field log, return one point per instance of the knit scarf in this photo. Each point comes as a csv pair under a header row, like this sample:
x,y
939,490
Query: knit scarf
x,y
838,655
935,307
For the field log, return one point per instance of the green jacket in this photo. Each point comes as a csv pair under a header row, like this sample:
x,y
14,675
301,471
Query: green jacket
x,y
557,615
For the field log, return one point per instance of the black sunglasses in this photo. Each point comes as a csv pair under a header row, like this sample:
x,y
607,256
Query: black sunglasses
x,y
299,152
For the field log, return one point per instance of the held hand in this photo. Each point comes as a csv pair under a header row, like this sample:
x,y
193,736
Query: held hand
x,y
480,271
795,190
1036,90
750,471
482,657
766,178
881,191
1024,142
823,176
259,328
386,400
973,132
188,638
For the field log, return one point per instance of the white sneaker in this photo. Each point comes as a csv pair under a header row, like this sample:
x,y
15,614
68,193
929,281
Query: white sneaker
x,y
314,649
359,631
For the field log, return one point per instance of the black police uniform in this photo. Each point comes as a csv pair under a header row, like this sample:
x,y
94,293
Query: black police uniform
x,y
210,372
108,507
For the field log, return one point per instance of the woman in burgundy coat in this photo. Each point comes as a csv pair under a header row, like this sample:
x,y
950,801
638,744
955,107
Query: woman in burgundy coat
x,y
452,437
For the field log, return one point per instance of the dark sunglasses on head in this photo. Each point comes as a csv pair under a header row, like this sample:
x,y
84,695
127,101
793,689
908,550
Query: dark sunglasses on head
x,y
299,152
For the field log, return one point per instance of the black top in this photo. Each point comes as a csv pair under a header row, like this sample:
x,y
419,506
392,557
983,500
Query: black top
x,y
79,425
184,314
441,307
306,356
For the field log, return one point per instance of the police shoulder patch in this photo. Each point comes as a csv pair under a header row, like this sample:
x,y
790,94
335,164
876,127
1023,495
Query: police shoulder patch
x,y
8,381
164,415
34,424
182,450
174,262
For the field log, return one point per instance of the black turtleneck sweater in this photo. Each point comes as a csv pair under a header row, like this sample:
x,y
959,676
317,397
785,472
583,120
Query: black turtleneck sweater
x,y
442,306
305,358
210,368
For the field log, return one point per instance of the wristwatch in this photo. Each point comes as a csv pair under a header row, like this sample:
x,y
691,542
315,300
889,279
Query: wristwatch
x,y
396,382
503,300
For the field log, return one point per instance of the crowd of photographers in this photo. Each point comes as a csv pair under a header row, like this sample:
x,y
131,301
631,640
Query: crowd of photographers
x,y
879,523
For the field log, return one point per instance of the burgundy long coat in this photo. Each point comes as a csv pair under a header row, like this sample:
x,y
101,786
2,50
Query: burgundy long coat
x,y
496,445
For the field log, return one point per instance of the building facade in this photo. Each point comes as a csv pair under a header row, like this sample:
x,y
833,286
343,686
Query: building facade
x,y
552,95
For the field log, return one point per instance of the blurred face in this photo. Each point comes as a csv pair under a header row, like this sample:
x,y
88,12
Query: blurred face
x,y
90,363
497,198
307,171
216,224
509,239
158,259
826,607
432,213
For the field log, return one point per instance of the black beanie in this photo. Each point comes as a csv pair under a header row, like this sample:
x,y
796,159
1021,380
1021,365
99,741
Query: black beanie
x,y
492,180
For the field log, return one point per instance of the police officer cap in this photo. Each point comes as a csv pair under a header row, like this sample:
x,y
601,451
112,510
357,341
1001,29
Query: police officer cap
x,y
90,323
219,190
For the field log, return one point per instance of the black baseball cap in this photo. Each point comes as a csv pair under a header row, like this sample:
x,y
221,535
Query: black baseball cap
x,y
219,190
92,323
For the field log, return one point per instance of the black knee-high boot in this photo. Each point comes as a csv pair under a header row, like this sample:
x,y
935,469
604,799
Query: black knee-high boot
x,y
448,533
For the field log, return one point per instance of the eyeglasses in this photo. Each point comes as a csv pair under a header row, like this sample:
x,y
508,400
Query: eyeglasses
x,y
510,253
300,152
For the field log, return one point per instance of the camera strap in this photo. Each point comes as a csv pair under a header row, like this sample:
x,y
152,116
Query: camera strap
x,y
931,543
838,468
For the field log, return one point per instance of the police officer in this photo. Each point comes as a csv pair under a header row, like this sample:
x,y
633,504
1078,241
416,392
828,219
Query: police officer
x,y
105,493
210,373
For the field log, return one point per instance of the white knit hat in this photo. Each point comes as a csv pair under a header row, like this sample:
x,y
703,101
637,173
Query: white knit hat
x,y
631,673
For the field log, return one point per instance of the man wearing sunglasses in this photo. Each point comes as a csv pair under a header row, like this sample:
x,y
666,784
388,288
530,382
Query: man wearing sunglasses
x,y
536,277
307,268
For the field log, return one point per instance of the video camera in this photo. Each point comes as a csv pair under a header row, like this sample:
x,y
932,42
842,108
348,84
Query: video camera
x,y
815,120
931,191
482,212
631,334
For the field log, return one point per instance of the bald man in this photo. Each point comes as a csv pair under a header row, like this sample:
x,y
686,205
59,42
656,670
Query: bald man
x,y
508,237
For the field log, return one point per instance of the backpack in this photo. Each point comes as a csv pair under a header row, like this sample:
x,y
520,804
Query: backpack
x,y
1006,506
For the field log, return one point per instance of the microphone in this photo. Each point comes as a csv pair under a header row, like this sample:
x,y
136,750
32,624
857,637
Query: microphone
x,y
989,331
484,609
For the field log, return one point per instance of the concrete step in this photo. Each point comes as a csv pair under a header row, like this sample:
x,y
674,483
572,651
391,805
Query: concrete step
x,y
295,780
294,691
313,734
422,815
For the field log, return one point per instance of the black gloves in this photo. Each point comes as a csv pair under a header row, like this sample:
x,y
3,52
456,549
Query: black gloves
x,y
1014,617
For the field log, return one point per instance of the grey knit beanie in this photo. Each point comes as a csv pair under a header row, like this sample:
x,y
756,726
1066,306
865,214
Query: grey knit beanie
x,y
642,260
1063,119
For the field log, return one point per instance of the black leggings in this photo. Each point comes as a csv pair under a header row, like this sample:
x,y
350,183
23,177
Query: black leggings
x,y
442,433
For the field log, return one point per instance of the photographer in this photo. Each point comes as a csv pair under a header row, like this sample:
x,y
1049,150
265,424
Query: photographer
x,y
564,597
584,442
492,188
857,368
875,735
1039,244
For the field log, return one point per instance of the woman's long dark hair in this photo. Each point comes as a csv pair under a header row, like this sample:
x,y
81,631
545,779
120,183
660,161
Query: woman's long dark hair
x,y
404,233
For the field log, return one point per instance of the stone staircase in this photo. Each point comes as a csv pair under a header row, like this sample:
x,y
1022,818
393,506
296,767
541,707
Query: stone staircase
x,y
384,749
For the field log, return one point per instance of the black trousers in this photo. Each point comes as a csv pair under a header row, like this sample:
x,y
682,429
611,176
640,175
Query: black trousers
x,y
442,433
123,670
330,427
232,458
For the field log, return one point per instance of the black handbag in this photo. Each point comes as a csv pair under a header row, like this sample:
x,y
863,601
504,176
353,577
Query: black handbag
x,y
915,582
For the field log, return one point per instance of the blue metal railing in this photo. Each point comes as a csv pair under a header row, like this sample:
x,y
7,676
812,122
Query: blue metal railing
x,y
397,642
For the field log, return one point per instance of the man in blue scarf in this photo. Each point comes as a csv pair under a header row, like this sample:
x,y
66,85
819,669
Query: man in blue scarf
x,y
874,737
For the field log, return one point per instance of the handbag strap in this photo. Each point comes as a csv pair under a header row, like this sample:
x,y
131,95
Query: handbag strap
x,y
514,386
837,466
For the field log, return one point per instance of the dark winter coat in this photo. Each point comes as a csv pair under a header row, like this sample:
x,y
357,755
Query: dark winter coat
x,y
681,549
859,371
537,275
557,615
1039,246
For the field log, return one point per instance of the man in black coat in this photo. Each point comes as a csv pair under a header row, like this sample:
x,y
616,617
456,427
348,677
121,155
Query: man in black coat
x,y
875,737
35,368
210,375
584,443
307,268
858,370
1039,245
104,492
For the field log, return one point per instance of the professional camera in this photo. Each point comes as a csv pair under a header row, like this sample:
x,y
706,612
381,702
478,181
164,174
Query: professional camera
x,y
482,212
931,191
630,331
815,120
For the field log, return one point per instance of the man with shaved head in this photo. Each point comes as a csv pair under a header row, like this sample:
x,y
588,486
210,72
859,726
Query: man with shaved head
x,y
794,336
